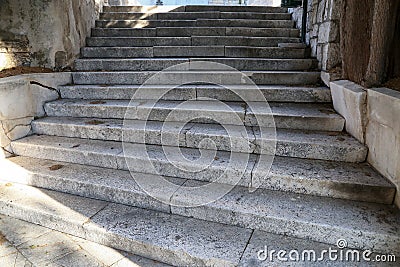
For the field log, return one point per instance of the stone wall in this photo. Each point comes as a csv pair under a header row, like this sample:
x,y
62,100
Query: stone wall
x,y
44,33
22,99
323,35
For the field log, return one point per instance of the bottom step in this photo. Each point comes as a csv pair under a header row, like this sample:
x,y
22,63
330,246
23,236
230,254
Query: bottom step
x,y
168,238
27,244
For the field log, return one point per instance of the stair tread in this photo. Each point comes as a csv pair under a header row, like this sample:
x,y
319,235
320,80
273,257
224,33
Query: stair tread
x,y
276,211
193,37
199,19
114,148
188,8
196,59
309,110
162,63
277,93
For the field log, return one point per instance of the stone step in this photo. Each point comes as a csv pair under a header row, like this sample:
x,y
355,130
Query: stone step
x,y
165,237
254,23
293,116
145,64
289,143
193,15
189,41
193,51
194,31
194,8
314,177
214,77
187,92
221,229
313,145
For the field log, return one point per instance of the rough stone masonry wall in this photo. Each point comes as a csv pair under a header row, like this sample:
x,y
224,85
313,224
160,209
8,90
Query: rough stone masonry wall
x,y
323,35
46,33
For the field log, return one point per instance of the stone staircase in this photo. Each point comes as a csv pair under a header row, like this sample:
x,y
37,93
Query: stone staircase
x,y
74,176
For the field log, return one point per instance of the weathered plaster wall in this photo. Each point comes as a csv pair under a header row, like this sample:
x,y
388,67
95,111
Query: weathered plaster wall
x,y
372,117
21,100
47,33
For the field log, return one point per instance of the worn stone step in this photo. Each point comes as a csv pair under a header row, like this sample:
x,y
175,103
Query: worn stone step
x,y
193,51
214,77
194,8
193,15
194,31
294,115
189,41
187,92
254,23
144,9
161,236
289,143
159,16
265,52
173,239
144,64
138,41
314,177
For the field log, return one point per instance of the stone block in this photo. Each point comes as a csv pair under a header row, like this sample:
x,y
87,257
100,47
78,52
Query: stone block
x,y
350,101
324,32
383,133
332,54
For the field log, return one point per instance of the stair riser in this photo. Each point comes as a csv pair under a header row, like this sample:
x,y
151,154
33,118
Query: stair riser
x,y
161,64
305,95
187,32
195,9
193,16
189,41
301,149
296,78
192,51
194,23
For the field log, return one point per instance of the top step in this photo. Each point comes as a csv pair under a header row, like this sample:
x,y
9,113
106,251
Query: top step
x,y
194,8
